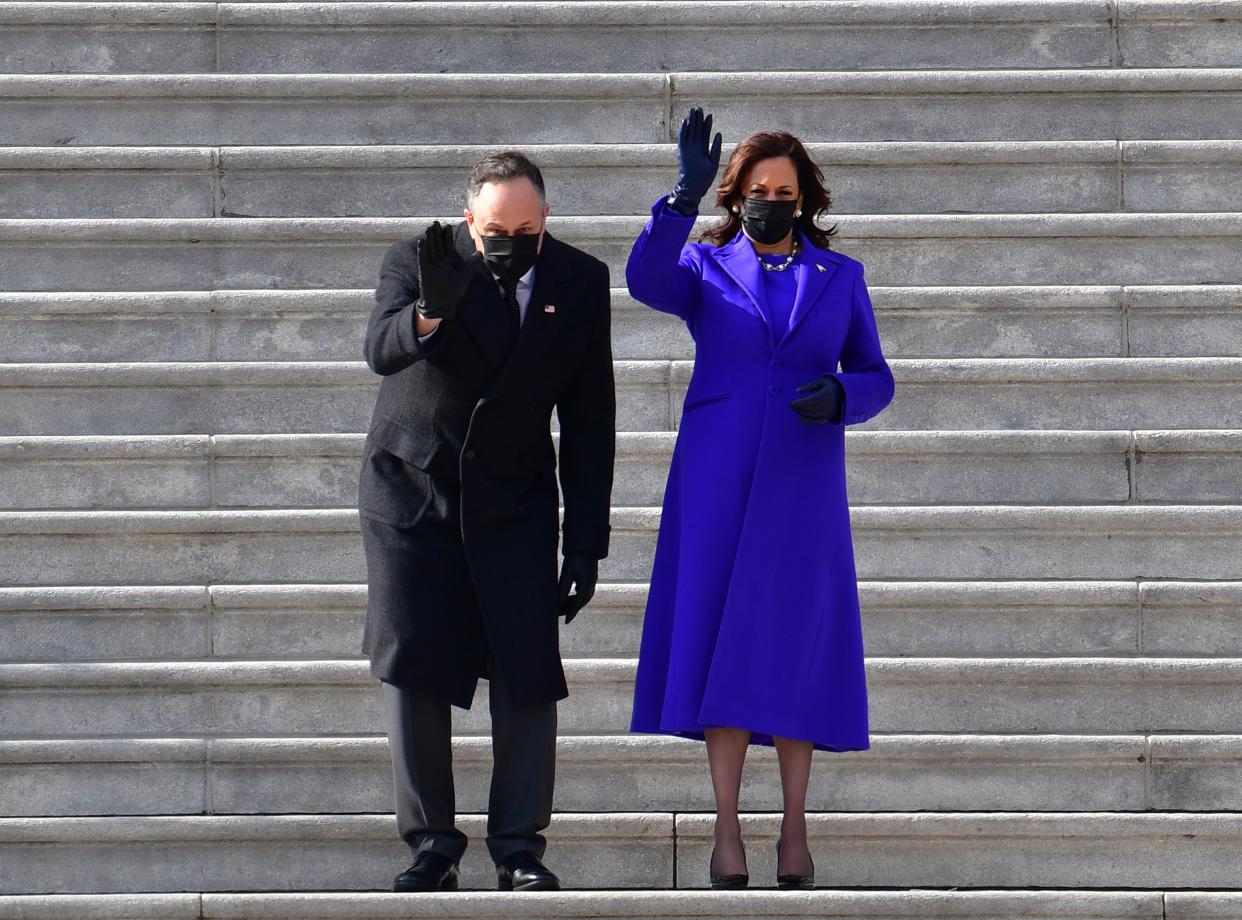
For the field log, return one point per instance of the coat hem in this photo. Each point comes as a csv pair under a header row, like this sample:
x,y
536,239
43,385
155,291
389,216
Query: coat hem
x,y
758,738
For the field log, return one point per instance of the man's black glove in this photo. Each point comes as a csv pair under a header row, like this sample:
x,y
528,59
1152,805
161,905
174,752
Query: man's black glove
x,y
824,402
698,162
582,571
443,275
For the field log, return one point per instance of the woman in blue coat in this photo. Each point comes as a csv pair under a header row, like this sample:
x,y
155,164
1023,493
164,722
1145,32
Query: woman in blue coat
x,y
752,632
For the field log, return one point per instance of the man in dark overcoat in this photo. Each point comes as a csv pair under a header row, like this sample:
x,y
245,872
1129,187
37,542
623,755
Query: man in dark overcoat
x,y
479,331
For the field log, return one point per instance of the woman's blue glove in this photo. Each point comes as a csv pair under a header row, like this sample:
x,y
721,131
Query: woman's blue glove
x,y
824,402
698,162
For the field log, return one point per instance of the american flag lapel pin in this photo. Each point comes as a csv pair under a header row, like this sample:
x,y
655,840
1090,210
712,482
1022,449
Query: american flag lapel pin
x,y
550,308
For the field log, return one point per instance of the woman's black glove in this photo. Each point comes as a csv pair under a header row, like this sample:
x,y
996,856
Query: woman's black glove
x,y
443,275
824,402
582,571
698,162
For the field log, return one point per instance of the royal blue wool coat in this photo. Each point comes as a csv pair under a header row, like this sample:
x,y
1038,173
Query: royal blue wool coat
x,y
752,620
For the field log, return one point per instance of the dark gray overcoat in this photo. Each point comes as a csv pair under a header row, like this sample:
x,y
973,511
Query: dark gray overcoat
x,y
457,494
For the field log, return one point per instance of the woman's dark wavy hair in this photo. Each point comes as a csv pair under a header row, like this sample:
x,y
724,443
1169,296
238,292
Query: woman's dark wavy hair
x,y
763,145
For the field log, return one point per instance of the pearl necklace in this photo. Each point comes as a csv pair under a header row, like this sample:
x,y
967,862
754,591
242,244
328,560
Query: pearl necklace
x,y
767,266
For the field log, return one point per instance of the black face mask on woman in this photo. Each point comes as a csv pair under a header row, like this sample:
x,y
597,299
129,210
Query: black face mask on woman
x,y
510,257
767,221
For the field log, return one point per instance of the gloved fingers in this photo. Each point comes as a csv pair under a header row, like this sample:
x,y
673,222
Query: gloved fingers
x,y
432,239
446,241
714,153
812,409
694,130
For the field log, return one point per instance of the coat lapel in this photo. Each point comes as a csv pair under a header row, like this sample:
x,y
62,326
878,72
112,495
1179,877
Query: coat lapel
x,y
738,259
482,309
816,266
540,326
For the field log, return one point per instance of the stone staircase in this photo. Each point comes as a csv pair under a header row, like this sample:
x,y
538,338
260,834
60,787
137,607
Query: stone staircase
x,y
194,198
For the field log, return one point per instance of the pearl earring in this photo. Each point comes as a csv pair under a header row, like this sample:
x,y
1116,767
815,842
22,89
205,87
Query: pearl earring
x,y
798,213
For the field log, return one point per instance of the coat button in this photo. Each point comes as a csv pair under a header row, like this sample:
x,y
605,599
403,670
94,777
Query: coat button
x,y
775,362
774,389
469,455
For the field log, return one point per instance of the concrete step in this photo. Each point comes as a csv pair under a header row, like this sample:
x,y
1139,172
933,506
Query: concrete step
x,y
914,250
644,36
400,181
269,397
915,322
1188,103
302,853
49,548
980,850
900,618
118,472
977,542
945,695
633,905
350,852
626,773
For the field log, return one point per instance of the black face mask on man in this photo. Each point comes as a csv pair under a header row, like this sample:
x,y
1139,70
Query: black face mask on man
x,y
510,257
767,221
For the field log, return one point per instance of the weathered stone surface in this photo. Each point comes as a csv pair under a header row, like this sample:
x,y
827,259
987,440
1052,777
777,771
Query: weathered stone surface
x,y
299,852
974,849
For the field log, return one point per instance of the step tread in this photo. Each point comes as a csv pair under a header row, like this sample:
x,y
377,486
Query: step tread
x,y
476,905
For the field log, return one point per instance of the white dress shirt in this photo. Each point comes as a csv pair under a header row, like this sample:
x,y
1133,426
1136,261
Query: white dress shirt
x,y
526,285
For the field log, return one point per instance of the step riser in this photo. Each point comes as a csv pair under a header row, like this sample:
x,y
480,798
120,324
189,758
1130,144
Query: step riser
x,y
299,480
156,263
1022,781
345,397
945,628
633,110
1032,700
1120,853
365,861
613,190
925,474
241,182
999,330
989,860
1057,549
636,334
561,46
298,788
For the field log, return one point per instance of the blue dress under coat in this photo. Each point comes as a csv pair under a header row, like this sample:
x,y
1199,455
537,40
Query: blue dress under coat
x,y
752,620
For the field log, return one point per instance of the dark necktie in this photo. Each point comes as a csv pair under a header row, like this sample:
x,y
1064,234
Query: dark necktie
x,y
511,304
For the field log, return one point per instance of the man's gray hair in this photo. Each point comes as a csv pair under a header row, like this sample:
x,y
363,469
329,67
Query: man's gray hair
x,y
503,167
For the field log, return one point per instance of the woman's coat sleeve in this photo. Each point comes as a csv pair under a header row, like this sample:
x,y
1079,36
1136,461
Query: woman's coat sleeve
x,y
864,373
662,271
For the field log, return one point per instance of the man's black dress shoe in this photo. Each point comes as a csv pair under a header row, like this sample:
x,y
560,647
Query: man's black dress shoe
x,y
524,872
430,872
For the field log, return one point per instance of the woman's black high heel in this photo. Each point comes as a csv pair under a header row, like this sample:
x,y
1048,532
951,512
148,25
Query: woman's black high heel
x,y
728,882
794,882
